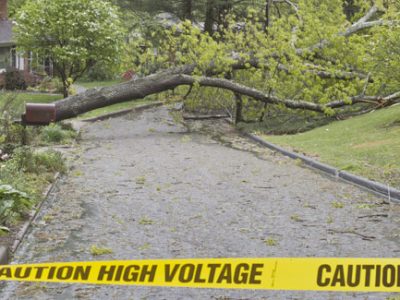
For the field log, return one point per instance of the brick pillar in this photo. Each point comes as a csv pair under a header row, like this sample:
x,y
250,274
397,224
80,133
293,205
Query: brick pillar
x,y
3,10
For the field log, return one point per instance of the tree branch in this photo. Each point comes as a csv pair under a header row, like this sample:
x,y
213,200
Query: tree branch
x,y
170,79
290,3
370,14
361,24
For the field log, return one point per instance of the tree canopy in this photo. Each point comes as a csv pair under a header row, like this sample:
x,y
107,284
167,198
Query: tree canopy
x,y
308,55
75,34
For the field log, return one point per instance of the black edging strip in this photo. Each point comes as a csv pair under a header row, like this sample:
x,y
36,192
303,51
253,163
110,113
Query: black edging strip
x,y
3,255
376,187
21,234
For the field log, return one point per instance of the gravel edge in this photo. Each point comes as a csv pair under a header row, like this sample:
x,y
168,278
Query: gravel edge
x,y
391,194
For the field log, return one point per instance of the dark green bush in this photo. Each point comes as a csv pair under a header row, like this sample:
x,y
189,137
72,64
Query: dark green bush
x,y
14,80
100,72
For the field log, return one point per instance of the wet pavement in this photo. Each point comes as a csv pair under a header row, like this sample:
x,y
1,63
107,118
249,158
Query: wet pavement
x,y
147,187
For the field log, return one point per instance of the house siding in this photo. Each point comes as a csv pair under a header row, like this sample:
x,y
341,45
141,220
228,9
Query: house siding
x,y
9,57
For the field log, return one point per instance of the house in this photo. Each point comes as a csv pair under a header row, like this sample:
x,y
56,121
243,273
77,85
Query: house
x,y
11,58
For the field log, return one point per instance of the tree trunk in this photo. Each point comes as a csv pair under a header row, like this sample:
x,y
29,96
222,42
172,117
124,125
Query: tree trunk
x,y
96,98
170,79
188,9
222,11
239,108
209,21
264,110
268,6
65,89
350,9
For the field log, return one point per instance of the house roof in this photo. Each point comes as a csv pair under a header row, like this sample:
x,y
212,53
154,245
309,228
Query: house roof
x,y
6,33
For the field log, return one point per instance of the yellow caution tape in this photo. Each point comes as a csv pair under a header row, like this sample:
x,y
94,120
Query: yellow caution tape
x,y
313,274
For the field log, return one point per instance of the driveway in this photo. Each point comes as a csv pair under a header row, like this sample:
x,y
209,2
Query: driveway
x,y
145,186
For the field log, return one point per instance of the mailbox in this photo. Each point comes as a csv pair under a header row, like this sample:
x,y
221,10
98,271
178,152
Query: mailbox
x,y
39,114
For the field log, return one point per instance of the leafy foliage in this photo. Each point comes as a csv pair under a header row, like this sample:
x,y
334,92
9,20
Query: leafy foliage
x,y
24,172
54,133
48,84
75,34
12,203
311,51
22,179
25,160
14,80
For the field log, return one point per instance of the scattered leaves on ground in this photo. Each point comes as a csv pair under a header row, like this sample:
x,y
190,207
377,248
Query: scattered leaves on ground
x,y
97,251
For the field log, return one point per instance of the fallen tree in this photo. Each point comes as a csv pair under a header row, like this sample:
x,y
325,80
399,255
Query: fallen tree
x,y
171,79
303,64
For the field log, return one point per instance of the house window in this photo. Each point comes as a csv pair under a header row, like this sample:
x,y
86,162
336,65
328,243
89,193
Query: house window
x,y
13,57
4,59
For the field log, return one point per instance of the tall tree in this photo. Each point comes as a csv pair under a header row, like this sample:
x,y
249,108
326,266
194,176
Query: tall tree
x,y
74,34
312,59
187,8
209,17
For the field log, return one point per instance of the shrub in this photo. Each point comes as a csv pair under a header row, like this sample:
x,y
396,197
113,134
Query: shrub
x,y
15,80
50,161
100,72
25,160
26,173
54,133
13,203
51,85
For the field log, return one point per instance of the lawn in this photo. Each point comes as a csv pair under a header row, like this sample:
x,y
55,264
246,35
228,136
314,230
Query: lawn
x,y
96,84
112,108
368,145
117,107
18,100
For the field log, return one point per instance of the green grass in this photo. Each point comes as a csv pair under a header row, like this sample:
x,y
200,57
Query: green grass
x,y
368,145
95,84
112,108
29,172
97,251
117,107
20,98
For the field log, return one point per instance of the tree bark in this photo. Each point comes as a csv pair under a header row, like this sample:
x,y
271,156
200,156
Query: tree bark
x,y
209,21
65,90
239,108
188,9
350,9
170,79
268,6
